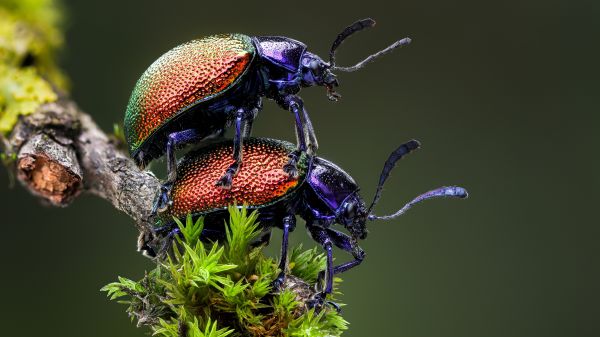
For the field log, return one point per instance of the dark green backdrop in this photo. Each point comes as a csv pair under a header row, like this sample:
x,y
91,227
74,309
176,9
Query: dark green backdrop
x,y
503,96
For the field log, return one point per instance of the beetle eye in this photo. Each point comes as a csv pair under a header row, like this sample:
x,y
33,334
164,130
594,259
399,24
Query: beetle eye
x,y
349,210
314,65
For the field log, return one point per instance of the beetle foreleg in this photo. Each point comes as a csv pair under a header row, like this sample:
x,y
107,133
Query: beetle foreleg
x,y
247,128
348,244
310,136
328,237
295,105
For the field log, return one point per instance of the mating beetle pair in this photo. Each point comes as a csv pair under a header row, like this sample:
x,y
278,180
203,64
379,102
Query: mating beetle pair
x,y
198,89
322,194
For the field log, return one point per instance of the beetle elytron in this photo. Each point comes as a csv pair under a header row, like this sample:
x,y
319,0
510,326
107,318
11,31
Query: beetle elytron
x,y
322,194
196,90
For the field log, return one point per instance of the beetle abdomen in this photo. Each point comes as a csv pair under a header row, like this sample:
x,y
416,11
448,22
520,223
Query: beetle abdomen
x,y
260,181
184,76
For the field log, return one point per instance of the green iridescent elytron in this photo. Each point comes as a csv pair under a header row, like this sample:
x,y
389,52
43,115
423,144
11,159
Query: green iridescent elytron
x,y
199,89
188,74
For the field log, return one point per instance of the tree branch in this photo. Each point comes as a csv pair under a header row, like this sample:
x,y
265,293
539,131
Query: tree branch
x,y
61,152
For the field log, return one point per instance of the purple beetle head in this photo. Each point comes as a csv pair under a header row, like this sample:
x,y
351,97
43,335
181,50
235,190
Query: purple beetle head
x,y
353,215
315,71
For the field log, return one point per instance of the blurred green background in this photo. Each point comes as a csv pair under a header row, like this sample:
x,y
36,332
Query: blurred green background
x,y
503,95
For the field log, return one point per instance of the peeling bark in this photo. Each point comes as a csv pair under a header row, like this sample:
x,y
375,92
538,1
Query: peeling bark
x,y
49,169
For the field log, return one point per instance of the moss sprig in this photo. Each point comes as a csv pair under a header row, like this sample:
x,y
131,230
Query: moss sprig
x,y
224,288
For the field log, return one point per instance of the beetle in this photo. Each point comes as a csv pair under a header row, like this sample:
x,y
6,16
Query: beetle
x,y
322,194
199,88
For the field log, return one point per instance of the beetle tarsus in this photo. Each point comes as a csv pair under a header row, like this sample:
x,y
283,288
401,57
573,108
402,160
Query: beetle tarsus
x,y
319,301
227,178
332,95
225,182
163,200
277,283
291,167
335,306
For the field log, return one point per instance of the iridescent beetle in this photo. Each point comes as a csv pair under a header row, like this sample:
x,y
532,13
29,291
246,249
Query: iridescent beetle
x,y
322,194
196,90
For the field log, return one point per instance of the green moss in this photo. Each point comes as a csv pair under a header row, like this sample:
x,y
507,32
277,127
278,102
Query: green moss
x,y
30,34
225,289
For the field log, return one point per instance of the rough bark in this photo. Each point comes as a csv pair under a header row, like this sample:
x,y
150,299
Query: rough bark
x,y
61,152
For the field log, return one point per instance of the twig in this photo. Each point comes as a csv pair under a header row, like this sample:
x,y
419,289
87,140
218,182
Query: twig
x,y
61,152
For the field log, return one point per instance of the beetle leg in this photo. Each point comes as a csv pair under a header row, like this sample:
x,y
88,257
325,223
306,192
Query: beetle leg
x,y
167,242
174,141
163,199
326,237
247,128
288,225
320,235
348,244
295,106
227,178
312,143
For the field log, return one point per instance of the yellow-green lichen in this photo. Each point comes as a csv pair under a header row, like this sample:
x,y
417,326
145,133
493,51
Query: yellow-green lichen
x,y
30,34
21,92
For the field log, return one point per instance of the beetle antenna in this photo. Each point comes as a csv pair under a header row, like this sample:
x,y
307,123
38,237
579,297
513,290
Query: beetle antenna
x,y
400,152
446,191
371,57
353,28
